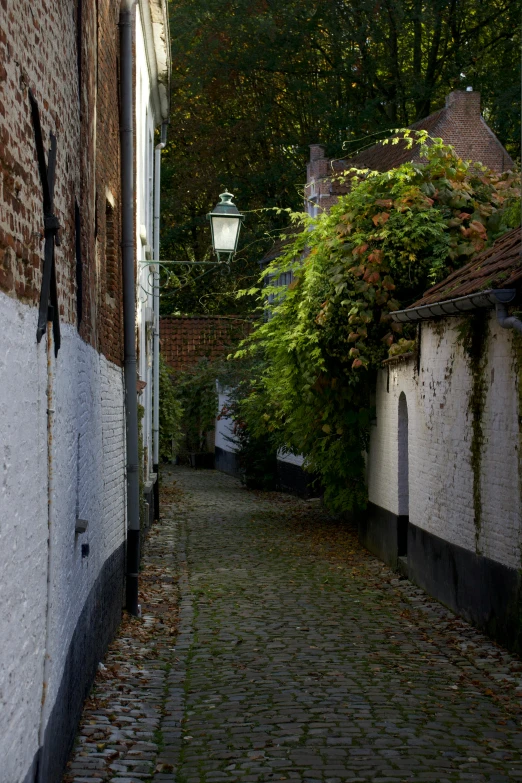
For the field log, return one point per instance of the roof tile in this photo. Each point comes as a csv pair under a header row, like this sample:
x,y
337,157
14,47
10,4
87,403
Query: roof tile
x,y
500,266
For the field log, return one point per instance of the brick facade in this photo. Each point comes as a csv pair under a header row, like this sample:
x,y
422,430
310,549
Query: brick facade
x,y
62,424
77,93
108,224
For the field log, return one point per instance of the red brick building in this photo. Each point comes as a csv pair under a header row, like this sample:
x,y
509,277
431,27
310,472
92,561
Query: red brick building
x,y
62,398
459,123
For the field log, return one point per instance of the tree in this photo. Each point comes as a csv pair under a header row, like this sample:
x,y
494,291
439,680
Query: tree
x,y
256,81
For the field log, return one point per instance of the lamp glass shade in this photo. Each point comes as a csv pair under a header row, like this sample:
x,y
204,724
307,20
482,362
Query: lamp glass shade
x,y
225,221
225,231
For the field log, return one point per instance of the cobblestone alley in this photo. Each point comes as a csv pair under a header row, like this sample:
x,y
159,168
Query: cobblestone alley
x,y
272,647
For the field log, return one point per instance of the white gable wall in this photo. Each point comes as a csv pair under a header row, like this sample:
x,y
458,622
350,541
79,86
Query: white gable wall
x,y
442,491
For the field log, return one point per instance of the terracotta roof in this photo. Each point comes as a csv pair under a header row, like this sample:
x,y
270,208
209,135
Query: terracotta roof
x,y
184,340
500,266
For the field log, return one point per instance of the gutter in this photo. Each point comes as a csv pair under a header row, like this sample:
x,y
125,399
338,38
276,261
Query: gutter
x,y
126,25
156,298
155,26
459,306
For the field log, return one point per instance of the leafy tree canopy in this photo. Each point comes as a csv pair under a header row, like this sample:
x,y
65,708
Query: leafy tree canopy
x,y
324,336
256,81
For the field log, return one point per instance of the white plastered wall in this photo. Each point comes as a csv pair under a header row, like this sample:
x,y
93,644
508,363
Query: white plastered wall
x,y
145,125
87,476
441,476
23,535
291,459
224,424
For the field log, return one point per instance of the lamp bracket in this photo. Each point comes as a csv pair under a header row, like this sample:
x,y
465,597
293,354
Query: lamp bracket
x,y
204,267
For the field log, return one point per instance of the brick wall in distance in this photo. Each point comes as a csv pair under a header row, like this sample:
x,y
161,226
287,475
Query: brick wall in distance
x,y
185,340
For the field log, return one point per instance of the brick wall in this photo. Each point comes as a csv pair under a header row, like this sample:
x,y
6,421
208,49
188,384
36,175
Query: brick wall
x,y
186,339
462,125
68,461
38,51
108,205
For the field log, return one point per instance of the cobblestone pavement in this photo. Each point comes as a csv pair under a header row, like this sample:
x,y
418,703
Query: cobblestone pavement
x,y
298,657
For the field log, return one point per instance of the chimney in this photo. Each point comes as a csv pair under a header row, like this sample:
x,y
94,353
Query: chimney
x,y
316,152
464,102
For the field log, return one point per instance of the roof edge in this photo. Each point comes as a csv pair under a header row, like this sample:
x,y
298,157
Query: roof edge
x,y
459,306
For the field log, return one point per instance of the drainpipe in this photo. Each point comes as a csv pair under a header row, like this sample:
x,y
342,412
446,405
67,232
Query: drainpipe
x,y
505,320
129,303
156,295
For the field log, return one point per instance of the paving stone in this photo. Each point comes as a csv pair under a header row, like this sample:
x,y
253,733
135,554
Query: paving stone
x,y
298,657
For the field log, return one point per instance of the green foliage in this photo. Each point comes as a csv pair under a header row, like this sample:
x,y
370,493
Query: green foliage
x,y
256,451
254,82
324,336
141,461
196,391
170,413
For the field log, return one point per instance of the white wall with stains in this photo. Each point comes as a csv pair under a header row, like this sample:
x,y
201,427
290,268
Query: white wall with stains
x,y
464,474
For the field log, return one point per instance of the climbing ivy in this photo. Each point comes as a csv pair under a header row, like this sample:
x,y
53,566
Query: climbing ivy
x,y
170,413
473,333
323,337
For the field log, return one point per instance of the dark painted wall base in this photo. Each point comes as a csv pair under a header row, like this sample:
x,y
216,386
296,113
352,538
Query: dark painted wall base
x,y
294,480
483,591
227,462
203,460
383,533
148,497
96,627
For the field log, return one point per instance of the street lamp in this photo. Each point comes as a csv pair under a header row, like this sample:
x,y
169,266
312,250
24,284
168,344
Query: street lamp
x,y
225,222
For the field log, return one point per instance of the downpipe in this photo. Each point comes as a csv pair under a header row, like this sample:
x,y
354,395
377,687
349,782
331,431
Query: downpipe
x,y
505,320
156,335
129,303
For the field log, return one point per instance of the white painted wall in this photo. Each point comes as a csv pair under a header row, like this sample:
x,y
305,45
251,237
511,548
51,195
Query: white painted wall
x,y
440,433
23,535
291,459
224,425
87,477
145,124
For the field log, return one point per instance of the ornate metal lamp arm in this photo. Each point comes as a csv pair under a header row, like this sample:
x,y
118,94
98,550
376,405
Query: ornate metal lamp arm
x,y
203,266
189,264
